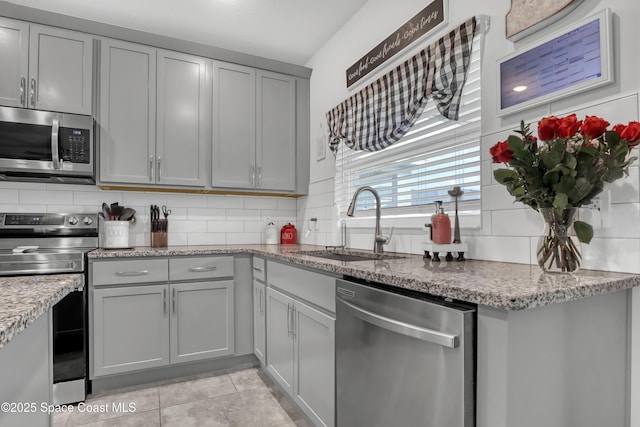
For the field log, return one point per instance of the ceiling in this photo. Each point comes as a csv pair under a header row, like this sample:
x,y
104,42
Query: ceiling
x,y
284,30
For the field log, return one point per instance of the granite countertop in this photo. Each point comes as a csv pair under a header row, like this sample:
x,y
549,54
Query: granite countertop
x,y
500,285
25,298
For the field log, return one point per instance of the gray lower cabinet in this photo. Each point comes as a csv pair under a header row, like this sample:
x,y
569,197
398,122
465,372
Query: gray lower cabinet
x,y
201,320
147,313
300,349
131,328
26,376
259,321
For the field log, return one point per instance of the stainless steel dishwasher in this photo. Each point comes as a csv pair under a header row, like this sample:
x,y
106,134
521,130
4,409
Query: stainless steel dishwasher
x,y
403,359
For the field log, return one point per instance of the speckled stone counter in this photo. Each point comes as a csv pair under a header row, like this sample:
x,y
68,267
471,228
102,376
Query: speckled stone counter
x,y
495,284
25,298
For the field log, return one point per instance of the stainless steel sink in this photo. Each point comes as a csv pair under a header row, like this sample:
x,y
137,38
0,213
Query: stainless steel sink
x,y
348,256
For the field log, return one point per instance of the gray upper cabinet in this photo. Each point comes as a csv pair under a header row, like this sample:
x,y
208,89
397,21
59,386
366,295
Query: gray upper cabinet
x,y
276,132
234,126
127,116
45,68
254,129
154,116
183,108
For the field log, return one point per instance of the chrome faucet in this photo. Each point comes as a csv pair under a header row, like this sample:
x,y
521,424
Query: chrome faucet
x,y
378,240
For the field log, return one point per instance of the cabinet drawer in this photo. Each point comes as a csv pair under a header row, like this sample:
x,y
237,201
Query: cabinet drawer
x,y
318,289
118,272
259,269
195,268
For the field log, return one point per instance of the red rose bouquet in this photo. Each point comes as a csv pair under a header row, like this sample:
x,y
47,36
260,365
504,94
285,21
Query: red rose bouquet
x,y
565,167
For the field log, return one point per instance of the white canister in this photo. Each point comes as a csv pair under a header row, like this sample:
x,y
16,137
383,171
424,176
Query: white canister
x,y
115,234
271,234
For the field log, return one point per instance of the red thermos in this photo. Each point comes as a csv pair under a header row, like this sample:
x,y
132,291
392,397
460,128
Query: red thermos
x,y
288,234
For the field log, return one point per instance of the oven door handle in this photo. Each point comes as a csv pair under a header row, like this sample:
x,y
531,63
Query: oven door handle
x,y
429,335
132,273
55,155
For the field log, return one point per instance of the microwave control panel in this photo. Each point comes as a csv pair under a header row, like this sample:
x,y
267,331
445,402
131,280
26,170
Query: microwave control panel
x,y
75,145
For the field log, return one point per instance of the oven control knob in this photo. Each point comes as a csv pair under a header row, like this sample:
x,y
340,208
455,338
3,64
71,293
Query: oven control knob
x,y
87,220
73,220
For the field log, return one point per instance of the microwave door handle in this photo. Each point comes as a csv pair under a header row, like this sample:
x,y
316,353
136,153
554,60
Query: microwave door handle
x,y
55,128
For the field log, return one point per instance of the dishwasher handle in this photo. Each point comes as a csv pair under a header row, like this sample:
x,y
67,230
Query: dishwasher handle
x,y
429,335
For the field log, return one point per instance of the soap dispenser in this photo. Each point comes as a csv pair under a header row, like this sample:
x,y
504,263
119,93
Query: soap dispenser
x,y
440,226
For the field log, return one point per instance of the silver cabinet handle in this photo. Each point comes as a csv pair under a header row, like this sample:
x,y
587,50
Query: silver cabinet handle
x,y
132,273
23,89
203,269
252,175
258,269
151,168
32,92
289,319
294,325
429,335
261,300
55,155
173,300
259,185
159,173
164,300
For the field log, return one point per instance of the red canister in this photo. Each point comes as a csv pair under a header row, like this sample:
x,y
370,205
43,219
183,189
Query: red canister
x,y
288,234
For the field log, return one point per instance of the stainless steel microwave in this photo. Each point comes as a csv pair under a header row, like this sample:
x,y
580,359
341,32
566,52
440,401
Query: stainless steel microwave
x,y
46,146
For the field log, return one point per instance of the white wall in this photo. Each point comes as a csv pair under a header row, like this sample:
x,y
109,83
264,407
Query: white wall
x,y
196,219
509,231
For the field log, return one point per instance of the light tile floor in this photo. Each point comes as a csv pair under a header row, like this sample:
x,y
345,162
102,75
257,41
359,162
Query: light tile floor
x,y
244,398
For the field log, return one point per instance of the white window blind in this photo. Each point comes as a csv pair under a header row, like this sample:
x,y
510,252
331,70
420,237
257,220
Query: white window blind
x,y
433,157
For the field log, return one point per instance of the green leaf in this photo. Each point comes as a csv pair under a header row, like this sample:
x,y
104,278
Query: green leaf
x,y
570,161
584,231
503,176
515,143
550,178
561,201
612,138
566,185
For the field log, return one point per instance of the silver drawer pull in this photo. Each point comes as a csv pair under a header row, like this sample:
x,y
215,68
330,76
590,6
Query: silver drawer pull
x,y
257,269
132,273
201,269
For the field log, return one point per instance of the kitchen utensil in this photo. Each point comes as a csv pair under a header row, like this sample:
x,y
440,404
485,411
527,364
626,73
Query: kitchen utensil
x,y
166,211
127,214
117,210
106,211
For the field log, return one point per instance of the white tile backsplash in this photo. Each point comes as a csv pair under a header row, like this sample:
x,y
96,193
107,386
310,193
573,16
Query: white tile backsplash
x,y
196,219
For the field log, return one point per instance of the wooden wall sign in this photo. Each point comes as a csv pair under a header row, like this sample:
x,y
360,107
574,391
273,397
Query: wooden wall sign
x,y
423,22
526,17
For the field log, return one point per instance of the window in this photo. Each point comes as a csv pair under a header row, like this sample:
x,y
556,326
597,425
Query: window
x,y
433,157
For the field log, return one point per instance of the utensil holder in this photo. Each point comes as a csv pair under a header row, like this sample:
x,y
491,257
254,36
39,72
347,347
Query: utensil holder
x,y
115,234
159,233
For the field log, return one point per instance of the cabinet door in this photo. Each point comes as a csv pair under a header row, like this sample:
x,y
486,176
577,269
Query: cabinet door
x,y
201,320
234,128
127,117
60,70
279,338
130,328
184,108
276,132
314,334
259,321
14,66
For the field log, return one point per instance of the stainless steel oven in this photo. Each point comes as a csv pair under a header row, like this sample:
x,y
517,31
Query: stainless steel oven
x,y
46,243
46,146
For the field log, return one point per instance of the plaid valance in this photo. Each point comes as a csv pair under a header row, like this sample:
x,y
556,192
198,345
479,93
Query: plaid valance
x,y
382,112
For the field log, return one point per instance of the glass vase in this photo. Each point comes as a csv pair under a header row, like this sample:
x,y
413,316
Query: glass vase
x,y
558,248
